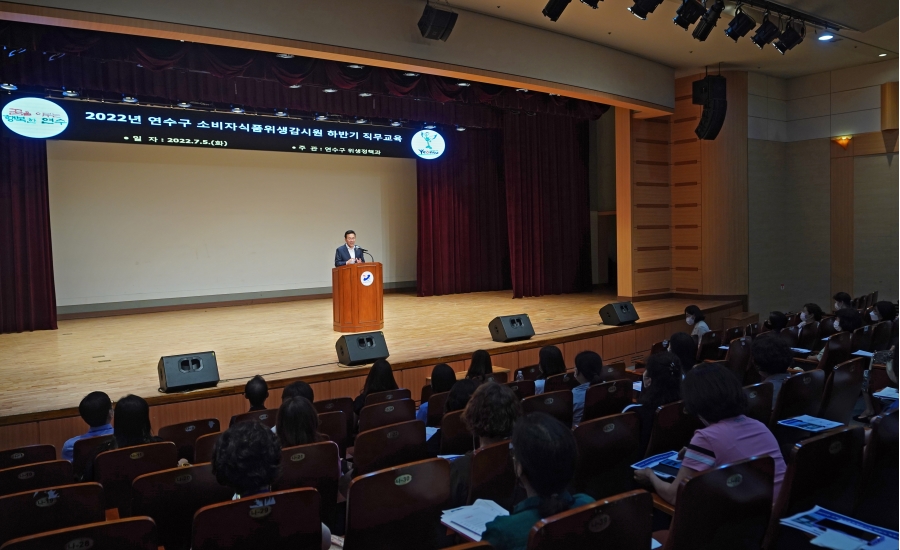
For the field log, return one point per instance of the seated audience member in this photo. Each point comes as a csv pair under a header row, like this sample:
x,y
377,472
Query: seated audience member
x,y
695,318
379,379
772,357
883,311
550,363
685,348
490,415
714,394
298,389
588,369
442,379
886,405
247,459
459,397
480,368
811,313
661,385
842,300
96,410
131,426
845,320
776,321
298,423
256,391
544,453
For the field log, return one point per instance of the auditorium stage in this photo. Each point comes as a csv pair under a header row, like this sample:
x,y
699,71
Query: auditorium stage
x,y
46,373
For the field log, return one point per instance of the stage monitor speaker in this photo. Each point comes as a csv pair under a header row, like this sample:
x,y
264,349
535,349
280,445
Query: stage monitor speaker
x,y
362,348
711,93
188,372
436,24
508,328
620,313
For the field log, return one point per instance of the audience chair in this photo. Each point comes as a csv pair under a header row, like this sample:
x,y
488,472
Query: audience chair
x,y
657,347
317,466
793,319
752,330
384,396
204,447
607,447
280,520
824,330
806,336
800,394
493,476
84,451
398,508
427,392
614,371
389,412
455,437
557,404
26,455
861,339
121,534
606,398
881,336
759,401
623,522
436,404
35,476
725,507
878,496
33,512
673,428
837,350
731,334
560,382
708,347
172,497
790,336
523,389
265,417
388,446
528,373
737,358
343,404
184,435
116,469
842,390
334,425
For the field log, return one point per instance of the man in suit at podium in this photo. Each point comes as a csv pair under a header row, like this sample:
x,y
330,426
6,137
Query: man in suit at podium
x,y
348,253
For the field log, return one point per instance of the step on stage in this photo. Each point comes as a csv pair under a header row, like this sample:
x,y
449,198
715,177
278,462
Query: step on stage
x,y
45,374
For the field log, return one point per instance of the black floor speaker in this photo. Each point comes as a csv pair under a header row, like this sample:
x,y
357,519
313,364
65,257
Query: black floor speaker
x,y
619,313
188,372
362,348
508,328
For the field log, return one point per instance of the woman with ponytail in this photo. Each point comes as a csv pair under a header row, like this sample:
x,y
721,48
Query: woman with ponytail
x,y
543,451
588,367
661,386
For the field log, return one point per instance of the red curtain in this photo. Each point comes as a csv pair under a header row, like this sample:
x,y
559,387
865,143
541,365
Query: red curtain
x,y
462,241
27,292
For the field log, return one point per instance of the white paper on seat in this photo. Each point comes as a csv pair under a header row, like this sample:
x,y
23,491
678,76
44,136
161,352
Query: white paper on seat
x,y
471,521
810,423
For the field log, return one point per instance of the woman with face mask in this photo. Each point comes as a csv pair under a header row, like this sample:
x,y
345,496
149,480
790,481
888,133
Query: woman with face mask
x,y
811,313
883,311
842,300
695,318
845,320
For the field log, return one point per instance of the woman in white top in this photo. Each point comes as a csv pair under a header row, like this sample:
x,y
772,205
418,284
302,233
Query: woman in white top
x,y
695,318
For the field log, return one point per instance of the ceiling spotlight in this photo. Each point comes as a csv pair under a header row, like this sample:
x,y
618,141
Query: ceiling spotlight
x,y
184,104
360,121
463,84
237,110
766,33
365,94
708,21
826,37
790,37
410,74
430,126
688,13
329,90
740,25
554,9
294,86
462,128
129,99
280,112
591,3
321,117
69,93
284,55
395,123
642,8
521,89
9,87
354,66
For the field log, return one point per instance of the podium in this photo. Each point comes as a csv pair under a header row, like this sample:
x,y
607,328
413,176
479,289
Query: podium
x,y
358,297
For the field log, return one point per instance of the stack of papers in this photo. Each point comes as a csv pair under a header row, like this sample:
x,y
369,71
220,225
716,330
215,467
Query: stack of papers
x,y
840,532
887,393
801,350
470,521
664,465
862,353
810,423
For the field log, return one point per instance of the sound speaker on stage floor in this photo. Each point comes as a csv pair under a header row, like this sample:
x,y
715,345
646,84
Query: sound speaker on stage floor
x,y
508,328
362,348
620,313
188,372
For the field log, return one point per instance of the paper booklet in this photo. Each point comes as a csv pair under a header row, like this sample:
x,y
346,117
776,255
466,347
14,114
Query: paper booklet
x,y
887,393
665,465
839,532
810,423
470,521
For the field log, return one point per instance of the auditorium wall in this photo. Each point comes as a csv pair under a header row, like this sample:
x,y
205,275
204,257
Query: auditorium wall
x,y
146,226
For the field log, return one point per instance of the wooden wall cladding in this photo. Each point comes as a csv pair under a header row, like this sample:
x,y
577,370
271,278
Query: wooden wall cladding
x,y
686,191
651,208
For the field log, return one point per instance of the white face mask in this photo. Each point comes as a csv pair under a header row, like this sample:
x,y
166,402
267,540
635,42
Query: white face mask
x,y
837,326
690,320
804,317
873,315
837,306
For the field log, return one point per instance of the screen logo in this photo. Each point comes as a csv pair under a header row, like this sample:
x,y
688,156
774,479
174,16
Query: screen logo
x,y
427,144
34,117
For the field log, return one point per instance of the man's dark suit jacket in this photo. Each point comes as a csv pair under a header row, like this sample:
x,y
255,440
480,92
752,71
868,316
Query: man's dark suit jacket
x,y
342,255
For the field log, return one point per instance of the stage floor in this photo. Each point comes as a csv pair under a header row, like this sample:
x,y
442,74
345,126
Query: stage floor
x,y
52,370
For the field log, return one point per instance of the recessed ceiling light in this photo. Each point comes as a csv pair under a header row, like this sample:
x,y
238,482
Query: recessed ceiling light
x,y
360,121
430,126
69,93
826,37
184,104
463,84
354,66
329,90
237,110
321,117
882,55
280,113
129,99
285,55
521,89
410,74
9,87
395,123
294,86
365,94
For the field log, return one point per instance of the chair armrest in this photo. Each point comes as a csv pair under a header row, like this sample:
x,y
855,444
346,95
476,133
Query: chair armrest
x,y
662,505
806,364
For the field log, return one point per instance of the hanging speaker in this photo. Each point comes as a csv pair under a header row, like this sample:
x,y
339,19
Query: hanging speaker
x,y
710,92
436,23
187,372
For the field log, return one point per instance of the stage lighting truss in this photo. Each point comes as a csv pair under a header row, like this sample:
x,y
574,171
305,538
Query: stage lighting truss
x,y
688,13
642,8
740,25
708,21
790,37
767,32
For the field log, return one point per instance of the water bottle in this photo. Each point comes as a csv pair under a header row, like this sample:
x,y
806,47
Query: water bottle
x,y
520,376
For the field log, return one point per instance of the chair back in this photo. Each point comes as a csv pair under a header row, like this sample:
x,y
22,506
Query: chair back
x,y
724,507
52,508
38,475
436,404
861,339
560,382
523,389
806,337
204,447
172,497
316,465
790,335
607,398
26,455
116,469
659,347
623,522
84,451
265,417
388,446
390,395
532,372
673,428
607,447
825,329
280,520
731,334
426,393
613,371
334,426
493,475
184,435
398,508
737,359
793,319
343,404
137,533
557,404
455,437
881,336
388,412
842,389
759,401
708,346
799,394
878,497
752,330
